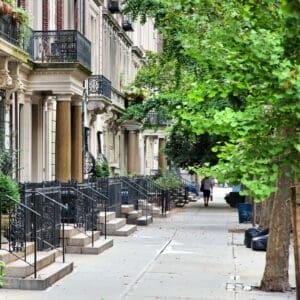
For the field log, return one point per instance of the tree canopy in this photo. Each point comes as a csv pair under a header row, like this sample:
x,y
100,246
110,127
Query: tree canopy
x,y
230,69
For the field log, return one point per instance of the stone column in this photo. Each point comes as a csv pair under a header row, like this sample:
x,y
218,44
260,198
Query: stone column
x,y
25,132
162,159
63,138
76,146
132,152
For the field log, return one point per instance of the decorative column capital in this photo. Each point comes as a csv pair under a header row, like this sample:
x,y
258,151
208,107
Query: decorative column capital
x,y
64,97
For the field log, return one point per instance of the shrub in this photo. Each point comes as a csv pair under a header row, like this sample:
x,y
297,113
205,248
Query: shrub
x,y
2,273
101,170
169,181
10,188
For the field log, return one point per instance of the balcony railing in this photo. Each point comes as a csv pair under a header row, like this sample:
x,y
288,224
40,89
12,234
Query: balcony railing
x,y
99,85
155,118
62,46
113,6
9,30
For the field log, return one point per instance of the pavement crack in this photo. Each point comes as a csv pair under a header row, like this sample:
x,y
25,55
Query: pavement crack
x,y
131,286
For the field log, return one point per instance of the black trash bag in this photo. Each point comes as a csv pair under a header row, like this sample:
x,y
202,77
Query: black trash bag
x,y
234,198
259,243
253,232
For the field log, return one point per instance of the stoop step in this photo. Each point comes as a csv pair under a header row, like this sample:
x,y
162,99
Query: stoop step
x,y
127,208
81,239
7,257
133,216
21,269
110,215
99,246
45,277
143,221
125,230
114,225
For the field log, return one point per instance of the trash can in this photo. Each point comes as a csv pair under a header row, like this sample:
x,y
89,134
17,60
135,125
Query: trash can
x,y
245,212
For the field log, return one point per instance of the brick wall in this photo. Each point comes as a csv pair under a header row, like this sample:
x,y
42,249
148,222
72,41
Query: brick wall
x,y
45,15
60,14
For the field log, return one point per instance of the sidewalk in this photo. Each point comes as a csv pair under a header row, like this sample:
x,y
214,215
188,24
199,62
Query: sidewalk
x,y
190,255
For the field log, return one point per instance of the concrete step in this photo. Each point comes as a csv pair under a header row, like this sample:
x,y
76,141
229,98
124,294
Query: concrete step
x,y
143,221
7,257
110,215
156,211
99,246
114,225
21,269
81,239
125,230
133,216
45,277
70,230
127,208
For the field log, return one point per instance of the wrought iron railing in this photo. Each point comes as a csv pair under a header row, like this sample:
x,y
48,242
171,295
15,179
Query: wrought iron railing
x,y
99,85
60,46
155,118
9,30
18,233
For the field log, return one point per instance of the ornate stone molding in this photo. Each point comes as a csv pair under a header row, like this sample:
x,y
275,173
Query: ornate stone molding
x,y
5,78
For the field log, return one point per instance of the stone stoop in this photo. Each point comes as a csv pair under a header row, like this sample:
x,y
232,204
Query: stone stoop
x,y
78,242
116,226
131,215
193,198
143,221
45,277
7,257
20,275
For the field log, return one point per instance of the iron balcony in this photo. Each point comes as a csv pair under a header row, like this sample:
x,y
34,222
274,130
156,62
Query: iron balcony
x,y
99,85
60,46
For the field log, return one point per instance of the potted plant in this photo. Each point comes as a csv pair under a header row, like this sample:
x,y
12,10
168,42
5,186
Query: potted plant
x,y
8,189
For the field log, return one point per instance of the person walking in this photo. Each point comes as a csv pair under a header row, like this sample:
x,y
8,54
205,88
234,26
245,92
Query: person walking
x,y
206,186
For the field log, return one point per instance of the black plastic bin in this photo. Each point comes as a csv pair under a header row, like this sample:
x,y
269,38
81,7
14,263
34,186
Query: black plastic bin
x,y
245,212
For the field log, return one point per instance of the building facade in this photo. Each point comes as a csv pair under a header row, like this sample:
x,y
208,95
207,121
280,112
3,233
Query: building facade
x,y
62,90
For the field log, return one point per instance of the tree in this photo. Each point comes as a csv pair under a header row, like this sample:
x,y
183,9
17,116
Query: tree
x,y
236,65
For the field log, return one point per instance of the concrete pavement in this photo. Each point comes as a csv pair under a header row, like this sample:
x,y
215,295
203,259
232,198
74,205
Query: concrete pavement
x,y
193,254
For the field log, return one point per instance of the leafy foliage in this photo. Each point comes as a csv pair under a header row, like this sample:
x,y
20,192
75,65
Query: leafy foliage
x,y
8,187
2,273
234,73
101,170
168,181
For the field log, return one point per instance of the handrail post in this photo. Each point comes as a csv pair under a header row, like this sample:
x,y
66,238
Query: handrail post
x,y
34,236
105,211
63,237
93,224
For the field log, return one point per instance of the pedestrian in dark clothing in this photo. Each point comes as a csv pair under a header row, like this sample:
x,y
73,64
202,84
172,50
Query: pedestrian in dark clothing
x,y
206,186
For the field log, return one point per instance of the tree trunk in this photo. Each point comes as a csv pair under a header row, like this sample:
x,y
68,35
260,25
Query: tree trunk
x,y
266,211
276,277
295,210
